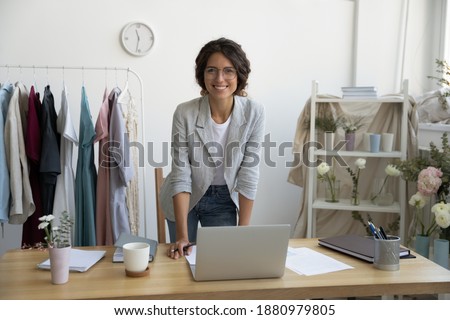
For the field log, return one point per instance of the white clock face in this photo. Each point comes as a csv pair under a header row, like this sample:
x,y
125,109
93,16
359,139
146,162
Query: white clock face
x,y
137,38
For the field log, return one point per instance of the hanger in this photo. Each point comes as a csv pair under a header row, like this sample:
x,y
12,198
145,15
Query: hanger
x,y
106,78
82,76
48,84
34,79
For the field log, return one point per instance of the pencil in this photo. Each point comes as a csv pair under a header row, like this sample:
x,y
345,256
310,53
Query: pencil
x,y
185,247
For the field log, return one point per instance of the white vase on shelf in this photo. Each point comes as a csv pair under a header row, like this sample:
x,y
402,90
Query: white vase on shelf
x,y
329,140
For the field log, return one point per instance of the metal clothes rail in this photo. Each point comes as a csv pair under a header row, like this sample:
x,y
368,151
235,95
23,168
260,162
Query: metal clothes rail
x,y
104,69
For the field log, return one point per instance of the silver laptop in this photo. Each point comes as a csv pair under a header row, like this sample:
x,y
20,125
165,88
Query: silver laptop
x,y
246,252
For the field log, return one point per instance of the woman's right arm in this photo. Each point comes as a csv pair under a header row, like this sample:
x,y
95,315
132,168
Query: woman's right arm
x,y
181,208
181,177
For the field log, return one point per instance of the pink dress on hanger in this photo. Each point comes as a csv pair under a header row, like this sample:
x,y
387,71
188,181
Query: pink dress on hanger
x,y
103,216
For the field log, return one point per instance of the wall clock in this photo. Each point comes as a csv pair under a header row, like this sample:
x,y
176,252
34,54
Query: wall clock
x,y
137,38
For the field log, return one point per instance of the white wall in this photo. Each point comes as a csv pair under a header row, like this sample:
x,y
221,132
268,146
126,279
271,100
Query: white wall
x,y
289,43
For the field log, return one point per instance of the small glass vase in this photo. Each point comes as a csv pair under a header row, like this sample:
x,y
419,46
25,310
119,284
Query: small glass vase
x,y
381,195
354,200
332,191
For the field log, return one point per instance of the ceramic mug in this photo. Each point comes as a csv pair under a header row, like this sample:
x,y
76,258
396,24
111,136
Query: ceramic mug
x,y
366,141
387,142
375,142
135,256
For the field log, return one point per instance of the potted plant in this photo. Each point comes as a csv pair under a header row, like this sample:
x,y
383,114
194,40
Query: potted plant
x,y
432,175
444,68
350,124
328,124
59,245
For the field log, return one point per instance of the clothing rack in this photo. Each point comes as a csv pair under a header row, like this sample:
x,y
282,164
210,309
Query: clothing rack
x,y
116,69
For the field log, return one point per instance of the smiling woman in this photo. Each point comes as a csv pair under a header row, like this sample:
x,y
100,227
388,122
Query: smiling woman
x,y
211,182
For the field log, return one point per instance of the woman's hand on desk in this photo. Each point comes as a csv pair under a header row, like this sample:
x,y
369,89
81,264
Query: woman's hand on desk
x,y
179,249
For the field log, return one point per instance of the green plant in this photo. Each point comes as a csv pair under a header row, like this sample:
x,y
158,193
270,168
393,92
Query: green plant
x,y
56,237
439,158
392,227
328,123
444,81
351,123
432,175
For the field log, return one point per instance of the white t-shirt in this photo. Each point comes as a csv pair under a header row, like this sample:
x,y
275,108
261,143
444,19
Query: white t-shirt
x,y
220,135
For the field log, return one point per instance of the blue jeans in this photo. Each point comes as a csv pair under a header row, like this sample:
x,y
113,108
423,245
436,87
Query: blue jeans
x,y
215,208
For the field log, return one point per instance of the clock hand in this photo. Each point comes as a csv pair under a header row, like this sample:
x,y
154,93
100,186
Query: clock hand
x,y
138,40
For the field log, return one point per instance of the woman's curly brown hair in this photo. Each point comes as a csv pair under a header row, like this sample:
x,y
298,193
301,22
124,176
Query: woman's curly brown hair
x,y
233,52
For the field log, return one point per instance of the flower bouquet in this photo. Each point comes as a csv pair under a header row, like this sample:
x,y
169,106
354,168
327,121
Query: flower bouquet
x,y
326,173
56,237
360,164
432,175
380,196
350,124
58,243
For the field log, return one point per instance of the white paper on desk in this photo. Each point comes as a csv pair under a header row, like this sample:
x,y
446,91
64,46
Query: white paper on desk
x,y
308,262
80,260
191,257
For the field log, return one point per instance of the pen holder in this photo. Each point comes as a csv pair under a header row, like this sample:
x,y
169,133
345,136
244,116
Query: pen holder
x,y
387,253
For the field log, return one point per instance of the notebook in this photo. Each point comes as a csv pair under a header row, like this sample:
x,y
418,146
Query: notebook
x,y
127,238
356,246
80,260
245,252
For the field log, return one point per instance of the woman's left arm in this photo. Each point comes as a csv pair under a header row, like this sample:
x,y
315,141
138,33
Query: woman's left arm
x,y
248,173
245,210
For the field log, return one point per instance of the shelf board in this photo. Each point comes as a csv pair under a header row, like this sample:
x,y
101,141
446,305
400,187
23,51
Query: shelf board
x,y
362,100
344,204
364,154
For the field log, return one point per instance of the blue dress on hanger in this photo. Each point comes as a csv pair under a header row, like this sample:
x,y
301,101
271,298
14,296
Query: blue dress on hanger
x,y
86,179
5,96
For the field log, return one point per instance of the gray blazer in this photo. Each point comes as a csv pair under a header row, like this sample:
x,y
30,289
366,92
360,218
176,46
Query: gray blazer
x,y
193,146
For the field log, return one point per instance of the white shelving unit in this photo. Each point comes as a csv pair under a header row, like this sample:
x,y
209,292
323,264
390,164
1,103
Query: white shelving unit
x,y
315,203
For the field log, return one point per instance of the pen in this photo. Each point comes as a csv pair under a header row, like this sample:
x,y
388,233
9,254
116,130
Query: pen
x,y
185,247
383,234
374,230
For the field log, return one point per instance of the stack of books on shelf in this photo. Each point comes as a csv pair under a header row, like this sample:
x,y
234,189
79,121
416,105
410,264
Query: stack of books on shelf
x,y
359,92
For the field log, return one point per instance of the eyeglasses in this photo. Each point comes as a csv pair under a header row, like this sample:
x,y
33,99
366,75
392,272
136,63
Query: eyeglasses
x,y
228,73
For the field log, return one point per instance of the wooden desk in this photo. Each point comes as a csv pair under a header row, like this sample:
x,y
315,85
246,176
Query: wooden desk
x,y
170,279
